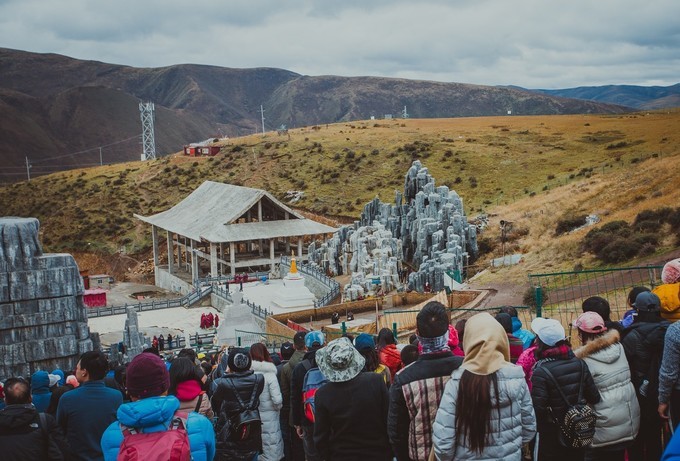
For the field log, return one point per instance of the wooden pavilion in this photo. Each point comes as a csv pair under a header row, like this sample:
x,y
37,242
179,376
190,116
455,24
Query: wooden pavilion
x,y
230,227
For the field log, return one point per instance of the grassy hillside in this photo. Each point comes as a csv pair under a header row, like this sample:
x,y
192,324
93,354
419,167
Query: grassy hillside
x,y
529,170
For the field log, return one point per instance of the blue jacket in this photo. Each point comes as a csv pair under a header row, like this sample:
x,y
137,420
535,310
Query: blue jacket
x,y
525,336
154,414
672,452
40,390
83,414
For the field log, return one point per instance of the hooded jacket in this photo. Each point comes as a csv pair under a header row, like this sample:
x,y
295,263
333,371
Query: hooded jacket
x,y
22,438
154,414
270,405
190,395
391,357
40,390
513,414
523,335
285,383
618,412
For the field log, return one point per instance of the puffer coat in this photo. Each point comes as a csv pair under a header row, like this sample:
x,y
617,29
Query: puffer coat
x,y
516,426
618,412
271,402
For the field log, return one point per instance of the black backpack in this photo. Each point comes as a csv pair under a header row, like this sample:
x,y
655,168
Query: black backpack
x,y
577,426
241,424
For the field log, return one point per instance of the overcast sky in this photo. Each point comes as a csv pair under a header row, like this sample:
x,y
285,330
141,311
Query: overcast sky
x,y
529,43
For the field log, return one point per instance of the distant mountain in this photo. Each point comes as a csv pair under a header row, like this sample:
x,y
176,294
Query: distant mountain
x,y
639,97
57,110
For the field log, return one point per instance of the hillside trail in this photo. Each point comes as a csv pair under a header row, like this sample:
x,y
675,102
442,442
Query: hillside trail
x,y
511,294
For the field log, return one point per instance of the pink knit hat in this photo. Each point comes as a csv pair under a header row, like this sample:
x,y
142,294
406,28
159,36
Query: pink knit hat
x,y
671,271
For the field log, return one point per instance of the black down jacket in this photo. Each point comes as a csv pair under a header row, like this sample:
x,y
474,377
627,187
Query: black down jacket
x,y
567,373
226,405
23,439
643,344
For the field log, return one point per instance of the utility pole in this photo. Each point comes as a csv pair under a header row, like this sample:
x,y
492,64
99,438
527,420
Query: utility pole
x,y
262,114
148,137
28,169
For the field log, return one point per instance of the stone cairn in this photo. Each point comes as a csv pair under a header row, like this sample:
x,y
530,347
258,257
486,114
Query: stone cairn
x,y
426,226
43,321
133,340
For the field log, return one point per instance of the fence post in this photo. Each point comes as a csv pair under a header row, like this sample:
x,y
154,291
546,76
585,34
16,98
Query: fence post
x,y
394,330
344,328
239,341
539,301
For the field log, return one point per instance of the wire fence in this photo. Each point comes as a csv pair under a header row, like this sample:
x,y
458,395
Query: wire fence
x,y
560,295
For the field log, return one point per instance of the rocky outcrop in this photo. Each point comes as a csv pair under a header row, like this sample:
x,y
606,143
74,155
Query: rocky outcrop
x,y
43,321
426,226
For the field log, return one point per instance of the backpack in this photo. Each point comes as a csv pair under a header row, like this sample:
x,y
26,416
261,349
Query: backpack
x,y
314,379
577,426
243,422
171,444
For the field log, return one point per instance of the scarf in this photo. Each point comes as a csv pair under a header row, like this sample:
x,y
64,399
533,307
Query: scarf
x,y
561,352
434,345
486,345
188,390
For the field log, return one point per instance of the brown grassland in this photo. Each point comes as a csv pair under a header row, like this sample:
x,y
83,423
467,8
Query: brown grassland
x,y
530,170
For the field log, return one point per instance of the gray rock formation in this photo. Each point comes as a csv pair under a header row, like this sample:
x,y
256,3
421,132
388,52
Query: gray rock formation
x,y
426,226
43,321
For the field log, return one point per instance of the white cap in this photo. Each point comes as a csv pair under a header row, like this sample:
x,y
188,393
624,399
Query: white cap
x,y
549,331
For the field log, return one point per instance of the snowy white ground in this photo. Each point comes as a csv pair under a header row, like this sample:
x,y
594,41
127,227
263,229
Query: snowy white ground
x,y
181,321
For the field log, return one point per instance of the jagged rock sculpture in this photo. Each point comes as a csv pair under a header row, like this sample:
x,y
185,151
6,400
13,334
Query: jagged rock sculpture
x,y
429,229
43,321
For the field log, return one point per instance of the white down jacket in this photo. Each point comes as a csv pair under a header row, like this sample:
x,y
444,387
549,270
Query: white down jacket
x,y
618,413
270,406
517,423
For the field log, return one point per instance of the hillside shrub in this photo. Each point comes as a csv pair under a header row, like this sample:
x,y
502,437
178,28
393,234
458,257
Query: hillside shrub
x,y
569,222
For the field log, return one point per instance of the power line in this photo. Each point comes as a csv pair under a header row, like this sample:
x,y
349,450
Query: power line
x,y
87,150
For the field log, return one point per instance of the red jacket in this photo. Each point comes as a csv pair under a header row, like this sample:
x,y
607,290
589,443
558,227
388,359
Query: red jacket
x,y
391,358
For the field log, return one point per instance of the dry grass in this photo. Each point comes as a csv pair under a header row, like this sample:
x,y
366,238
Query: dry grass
x,y
530,170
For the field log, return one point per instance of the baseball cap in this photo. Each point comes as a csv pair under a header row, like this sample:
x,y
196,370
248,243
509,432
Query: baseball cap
x,y
549,331
364,342
314,337
590,322
647,301
287,350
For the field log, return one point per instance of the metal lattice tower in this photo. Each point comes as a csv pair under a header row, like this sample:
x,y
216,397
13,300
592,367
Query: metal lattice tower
x,y
148,138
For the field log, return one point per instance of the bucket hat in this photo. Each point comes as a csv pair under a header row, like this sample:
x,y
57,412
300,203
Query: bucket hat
x,y
339,361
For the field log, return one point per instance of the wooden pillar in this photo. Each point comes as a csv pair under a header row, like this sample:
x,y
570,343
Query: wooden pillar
x,y
222,258
232,258
271,255
179,254
194,263
213,259
154,239
171,253
259,219
300,248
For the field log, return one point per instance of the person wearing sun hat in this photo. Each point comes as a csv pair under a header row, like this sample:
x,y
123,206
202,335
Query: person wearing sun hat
x,y
354,431
486,387
152,410
618,412
555,357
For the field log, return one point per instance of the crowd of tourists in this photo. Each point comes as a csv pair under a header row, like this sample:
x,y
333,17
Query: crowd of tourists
x,y
486,388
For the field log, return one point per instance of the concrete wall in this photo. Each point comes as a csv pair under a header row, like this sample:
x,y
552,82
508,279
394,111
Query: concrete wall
x,y
317,288
170,282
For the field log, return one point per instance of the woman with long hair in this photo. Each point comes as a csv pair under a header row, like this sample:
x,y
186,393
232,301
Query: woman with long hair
x,y
186,385
485,411
388,352
271,402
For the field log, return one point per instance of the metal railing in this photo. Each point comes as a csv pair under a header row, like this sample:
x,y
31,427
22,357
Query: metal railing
x,y
272,341
315,272
560,295
186,300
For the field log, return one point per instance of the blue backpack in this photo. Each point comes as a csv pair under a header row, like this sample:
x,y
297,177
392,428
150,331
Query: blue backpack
x,y
314,379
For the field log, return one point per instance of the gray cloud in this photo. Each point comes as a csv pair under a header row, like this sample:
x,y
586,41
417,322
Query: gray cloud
x,y
530,43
